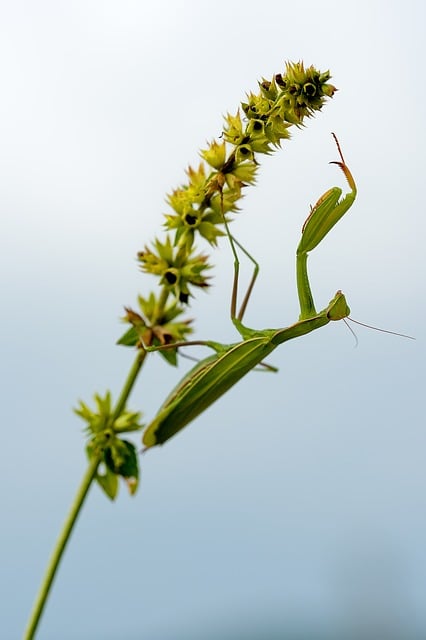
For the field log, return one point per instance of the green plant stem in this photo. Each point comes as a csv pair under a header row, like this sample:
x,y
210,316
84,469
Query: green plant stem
x,y
74,512
159,310
59,549
128,385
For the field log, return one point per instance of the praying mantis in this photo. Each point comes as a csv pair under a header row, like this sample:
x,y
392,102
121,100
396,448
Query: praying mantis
x,y
214,375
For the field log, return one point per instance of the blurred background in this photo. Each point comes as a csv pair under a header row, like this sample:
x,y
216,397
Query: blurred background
x,y
294,507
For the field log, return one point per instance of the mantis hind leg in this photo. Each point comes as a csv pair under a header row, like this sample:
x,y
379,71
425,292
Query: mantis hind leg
x,y
237,318
256,269
234,296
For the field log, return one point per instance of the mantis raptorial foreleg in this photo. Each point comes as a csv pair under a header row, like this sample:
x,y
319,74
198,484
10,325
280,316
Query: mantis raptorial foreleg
x,y
323,216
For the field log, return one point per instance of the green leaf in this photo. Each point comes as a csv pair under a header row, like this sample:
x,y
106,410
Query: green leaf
x,y
108,481
121,459
170,356
129,339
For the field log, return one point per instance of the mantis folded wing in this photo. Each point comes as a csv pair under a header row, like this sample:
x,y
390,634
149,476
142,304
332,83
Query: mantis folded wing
x,y
217,373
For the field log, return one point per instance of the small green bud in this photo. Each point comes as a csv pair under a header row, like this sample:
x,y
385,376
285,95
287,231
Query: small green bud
x,y
269,89
246,172
242,153
233,131
310,89
328,90
277,129
170,277
215,155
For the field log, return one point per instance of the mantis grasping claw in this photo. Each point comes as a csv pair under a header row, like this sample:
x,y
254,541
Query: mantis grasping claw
x,y
322,218
217,373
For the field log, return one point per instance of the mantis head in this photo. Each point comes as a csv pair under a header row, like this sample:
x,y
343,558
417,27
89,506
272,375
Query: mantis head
x,y
338,308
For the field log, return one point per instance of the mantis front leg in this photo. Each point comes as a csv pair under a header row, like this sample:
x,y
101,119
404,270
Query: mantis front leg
x,y
324,215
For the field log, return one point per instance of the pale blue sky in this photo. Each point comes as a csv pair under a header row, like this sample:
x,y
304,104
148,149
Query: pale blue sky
x,y
298,500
